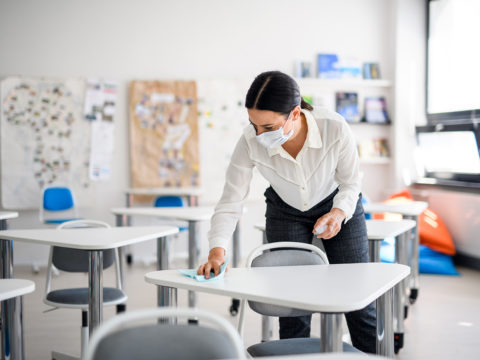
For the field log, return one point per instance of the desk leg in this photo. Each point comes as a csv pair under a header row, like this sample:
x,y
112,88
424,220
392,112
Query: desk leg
x,y
236,245
374,249
119,221
267,321
192,256
331,332
399,298
12,309
235,263
384,324
192,200
267,328
414,277
164,293
95,289
127,221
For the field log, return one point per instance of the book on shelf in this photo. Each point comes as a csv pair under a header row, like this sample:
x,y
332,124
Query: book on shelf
x,y
346,104
323,99
371,70
376,110
350,68
333,66
327,66
373,149
303,69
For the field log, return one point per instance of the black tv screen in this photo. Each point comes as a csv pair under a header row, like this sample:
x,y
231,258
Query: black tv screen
x,y
449,154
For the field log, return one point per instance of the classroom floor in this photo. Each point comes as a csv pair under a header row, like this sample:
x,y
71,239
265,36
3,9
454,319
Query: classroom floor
x,y
443,324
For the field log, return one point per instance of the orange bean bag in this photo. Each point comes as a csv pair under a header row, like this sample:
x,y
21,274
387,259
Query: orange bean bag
x,y
432,230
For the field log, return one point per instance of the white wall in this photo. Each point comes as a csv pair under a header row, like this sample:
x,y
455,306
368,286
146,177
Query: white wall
x,y
179,39
410,69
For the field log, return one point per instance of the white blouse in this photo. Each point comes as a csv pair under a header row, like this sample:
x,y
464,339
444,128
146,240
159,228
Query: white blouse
x,y
327,160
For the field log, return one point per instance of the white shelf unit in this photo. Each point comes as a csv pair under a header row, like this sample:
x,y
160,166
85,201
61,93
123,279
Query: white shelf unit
x,y
341,83
375,161
377,171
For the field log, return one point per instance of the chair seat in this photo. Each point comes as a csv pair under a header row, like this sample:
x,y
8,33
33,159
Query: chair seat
x,y
293,346
165,342
59,221
78,297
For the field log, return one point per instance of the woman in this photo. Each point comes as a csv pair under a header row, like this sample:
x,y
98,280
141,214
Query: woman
x,y
310,159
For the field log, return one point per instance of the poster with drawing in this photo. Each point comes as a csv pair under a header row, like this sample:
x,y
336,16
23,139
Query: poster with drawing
x,y
44,139
164,134
99,109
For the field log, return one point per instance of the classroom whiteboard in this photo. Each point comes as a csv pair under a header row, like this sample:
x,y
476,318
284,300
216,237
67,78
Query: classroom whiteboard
x,y
222,118
44,139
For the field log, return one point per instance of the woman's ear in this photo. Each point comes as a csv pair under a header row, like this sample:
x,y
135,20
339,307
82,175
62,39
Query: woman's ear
x,y
296,112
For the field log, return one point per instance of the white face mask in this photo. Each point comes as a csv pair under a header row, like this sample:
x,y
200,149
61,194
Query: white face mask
x,y
275,138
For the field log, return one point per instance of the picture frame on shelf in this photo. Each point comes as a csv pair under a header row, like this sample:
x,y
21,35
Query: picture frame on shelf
x,y
328,66
303,69
373,149
371,71
376,110
346,104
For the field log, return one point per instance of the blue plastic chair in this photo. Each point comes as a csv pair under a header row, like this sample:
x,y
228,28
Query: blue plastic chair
x,y
58,199
170,201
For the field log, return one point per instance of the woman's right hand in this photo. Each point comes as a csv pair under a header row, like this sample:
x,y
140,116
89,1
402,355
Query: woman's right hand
x,y
216,258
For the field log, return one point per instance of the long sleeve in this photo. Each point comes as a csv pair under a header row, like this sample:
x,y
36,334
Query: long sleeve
x,y
347,175
229,208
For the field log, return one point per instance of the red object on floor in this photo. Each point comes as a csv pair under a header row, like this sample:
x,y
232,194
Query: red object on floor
x,y
432,230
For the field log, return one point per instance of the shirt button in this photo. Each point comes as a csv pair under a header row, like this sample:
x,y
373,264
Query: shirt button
x,y
305,204
303,188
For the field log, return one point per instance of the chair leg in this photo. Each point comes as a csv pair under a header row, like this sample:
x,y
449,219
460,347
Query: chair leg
x,y
121,308
83,342
84,334
61,356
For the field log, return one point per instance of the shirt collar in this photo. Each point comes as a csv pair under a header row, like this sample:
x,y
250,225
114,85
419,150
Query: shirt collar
x,y
313,140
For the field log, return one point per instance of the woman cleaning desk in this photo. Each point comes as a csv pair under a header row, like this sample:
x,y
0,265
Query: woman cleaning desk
x,y
310,159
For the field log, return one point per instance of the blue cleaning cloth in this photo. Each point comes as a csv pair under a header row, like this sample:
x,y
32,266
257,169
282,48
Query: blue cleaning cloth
x,y
192,273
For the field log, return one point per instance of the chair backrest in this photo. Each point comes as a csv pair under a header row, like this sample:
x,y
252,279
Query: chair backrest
x,y
74,260
281,254
122,338
57,205
168,201
57,198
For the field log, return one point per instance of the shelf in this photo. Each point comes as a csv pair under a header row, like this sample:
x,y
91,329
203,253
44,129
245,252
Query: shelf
x,y
369,123
373,161
342,83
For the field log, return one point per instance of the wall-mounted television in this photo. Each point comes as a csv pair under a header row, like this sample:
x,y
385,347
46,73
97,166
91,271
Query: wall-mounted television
x,y
449,154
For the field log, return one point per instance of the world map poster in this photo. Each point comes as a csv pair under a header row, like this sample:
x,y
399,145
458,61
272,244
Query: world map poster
x,y
44,139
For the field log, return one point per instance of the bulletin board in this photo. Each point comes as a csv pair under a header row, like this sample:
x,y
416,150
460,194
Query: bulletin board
x,y
44,139
164,149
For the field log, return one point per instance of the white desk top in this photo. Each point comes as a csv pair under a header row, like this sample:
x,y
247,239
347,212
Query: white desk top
x,y
180,191
187,213
377,229
327,356
319,288
10,288
4,215
413,208
90,238
381,229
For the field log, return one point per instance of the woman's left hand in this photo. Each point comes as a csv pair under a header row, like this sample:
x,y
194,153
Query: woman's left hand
x,y
333,222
